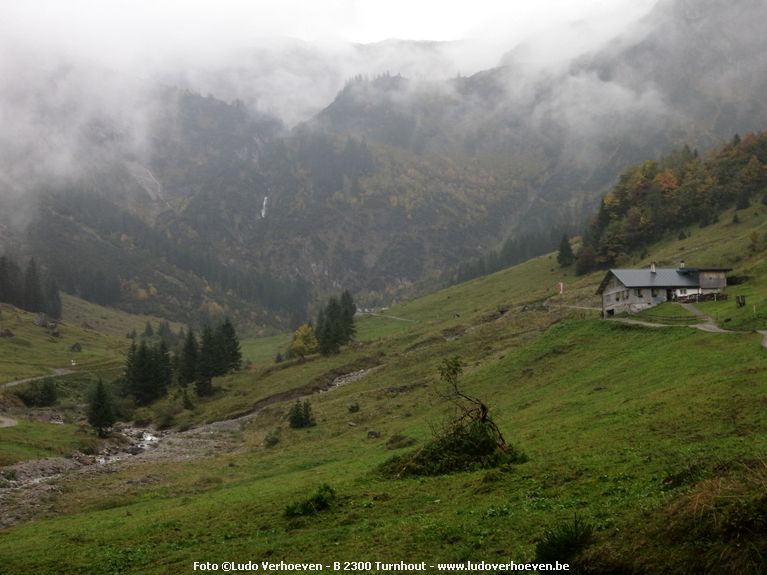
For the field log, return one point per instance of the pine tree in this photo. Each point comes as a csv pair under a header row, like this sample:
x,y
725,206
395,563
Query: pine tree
x,y
139,376
33,292
301,415
148,372
229,346
101,415
130,365
148,330
187,367
348,310
565,257
207,362
166,333
162,369
11,290
329,331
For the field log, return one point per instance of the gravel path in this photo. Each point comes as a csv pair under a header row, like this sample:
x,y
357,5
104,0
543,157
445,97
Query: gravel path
x,y
708,322
7,421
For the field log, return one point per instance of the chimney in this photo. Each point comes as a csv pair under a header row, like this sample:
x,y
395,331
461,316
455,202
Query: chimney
x,y
652,268
681,264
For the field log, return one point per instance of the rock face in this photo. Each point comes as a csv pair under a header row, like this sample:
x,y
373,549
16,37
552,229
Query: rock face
x,y
349,378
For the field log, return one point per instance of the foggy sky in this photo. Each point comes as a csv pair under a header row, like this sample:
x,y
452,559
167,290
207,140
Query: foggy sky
x,y
121,33
69,67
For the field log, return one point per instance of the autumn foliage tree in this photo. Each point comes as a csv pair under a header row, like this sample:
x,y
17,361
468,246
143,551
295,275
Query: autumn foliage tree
x,y
304,342
682,189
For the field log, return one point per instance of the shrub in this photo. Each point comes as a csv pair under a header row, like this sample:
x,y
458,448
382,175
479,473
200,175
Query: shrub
x,y
322,499
39,394
354,407
464,448
186,402
272,438
564,542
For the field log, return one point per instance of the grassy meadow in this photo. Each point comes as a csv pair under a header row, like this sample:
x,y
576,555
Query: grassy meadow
x,y
34,351
656,438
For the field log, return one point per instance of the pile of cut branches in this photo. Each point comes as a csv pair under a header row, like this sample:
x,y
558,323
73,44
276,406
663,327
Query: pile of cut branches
x,y
470,440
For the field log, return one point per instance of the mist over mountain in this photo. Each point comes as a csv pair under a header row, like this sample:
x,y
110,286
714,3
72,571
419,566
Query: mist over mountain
x,y
251,181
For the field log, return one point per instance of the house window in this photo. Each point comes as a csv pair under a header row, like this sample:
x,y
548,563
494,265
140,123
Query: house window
x,y
682,291
654,292
639,293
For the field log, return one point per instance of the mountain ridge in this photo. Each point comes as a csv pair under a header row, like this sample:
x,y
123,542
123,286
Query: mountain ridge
x,y
398,180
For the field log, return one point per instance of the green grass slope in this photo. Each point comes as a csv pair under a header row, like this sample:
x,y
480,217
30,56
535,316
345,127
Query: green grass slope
x,y
33,350
657,438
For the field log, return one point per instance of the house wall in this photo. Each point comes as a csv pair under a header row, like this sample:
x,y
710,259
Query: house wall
x,y
618,298
712,280
682,292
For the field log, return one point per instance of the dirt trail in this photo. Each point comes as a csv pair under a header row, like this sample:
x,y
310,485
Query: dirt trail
x,y
55,371
389,316
708,323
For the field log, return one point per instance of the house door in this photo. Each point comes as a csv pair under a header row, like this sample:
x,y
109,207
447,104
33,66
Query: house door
x,y
669,295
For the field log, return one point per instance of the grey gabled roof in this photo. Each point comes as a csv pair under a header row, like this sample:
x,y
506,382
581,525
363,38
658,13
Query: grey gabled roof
x,y
645,278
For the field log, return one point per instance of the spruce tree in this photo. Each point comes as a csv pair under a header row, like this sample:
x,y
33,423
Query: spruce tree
x,y
33,291
101,415
329,334
130,365
319,329
300,415
166,333
162,369
348,309
229,345
11,290
207,362
140,375
148,372
187,367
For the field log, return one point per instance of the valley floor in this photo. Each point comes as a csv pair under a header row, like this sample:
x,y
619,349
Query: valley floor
x,y
655,439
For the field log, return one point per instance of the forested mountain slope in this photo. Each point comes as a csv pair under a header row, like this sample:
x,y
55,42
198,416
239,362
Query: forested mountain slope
x,y
224,209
